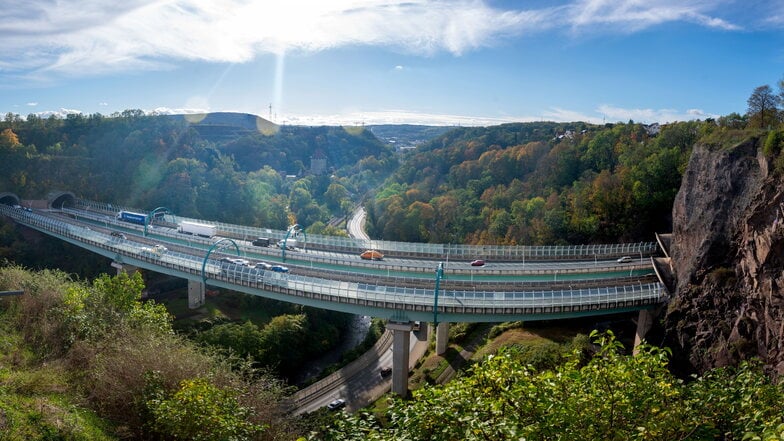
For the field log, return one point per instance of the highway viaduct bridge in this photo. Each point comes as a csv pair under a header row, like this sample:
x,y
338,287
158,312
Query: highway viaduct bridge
x,y
415,282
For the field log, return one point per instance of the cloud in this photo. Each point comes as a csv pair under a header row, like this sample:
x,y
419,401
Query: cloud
x,y
563,115
392,117
615,114
94,36
60,113
32,104
179,111
633,15
602,114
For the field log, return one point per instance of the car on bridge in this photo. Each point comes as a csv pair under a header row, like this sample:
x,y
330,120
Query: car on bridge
x,y
155,251
624,259
118,235
234,261
261,242
372,255
279,268
478,262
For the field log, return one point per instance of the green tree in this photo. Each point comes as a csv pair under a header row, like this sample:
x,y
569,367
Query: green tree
x,y
611,396
111,304
335,195
201,411
763,106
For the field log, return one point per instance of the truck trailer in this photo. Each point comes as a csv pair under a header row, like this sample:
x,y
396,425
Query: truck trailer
x,y
130,216
197,229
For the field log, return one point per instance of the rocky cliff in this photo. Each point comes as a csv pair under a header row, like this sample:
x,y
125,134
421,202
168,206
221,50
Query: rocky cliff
x,y
728,238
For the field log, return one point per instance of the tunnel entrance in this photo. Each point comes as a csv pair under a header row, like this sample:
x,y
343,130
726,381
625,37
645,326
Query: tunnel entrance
x,y
9,199
62,199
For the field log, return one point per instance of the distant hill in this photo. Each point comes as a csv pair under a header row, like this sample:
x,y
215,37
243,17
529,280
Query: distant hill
x,y
230,167
223,126
219,127
407,135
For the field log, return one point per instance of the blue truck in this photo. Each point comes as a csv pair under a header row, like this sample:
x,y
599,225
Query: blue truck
x,y
130,216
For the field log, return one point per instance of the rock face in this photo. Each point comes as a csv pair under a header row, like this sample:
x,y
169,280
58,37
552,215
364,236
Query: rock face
x,y
728,239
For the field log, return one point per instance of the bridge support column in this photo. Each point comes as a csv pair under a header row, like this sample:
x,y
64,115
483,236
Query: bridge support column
x,y
196,292
401,346
442,337
124,267
644,323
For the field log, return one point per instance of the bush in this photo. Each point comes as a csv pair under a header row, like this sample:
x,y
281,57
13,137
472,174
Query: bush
x,y
105,340
503,327
459,331
201,411
773,143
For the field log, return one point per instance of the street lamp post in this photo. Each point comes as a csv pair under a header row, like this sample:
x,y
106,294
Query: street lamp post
x,y
439,275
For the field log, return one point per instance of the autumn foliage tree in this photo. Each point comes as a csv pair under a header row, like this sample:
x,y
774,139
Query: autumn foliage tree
x,y
515,185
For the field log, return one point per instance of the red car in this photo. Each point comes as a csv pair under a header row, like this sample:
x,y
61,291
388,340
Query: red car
x,y
478,262
372,255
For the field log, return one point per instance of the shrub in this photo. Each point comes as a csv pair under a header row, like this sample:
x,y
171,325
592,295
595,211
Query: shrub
x,y
773,143
201,411
503,327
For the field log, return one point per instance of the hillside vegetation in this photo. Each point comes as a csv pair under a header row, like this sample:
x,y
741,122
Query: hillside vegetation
x,y
73,351
601,396
536,184
152,161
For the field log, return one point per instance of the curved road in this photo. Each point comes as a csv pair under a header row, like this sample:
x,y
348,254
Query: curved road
x,y
360,383
356,224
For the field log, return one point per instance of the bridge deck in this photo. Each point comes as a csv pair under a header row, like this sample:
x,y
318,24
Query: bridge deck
x,y
386,297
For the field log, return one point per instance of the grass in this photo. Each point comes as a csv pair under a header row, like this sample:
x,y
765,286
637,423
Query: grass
x,y
724,139
516,336
432,366
35,400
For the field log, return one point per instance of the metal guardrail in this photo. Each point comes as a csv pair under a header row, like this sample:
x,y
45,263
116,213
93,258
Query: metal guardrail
x,y
336,379
411,249
551,268
398,298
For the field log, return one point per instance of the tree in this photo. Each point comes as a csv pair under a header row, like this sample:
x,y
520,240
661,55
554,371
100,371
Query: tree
x,y
334,196
781,90
8,140
200,410
612,396
763,106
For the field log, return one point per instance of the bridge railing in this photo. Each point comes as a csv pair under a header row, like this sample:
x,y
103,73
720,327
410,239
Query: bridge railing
x,y
553,269
390,297
412,249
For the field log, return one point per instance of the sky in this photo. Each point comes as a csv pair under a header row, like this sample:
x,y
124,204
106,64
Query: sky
x,y
351,62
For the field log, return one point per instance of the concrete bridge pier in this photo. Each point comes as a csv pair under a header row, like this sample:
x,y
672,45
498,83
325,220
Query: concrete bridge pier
x,y
196,292
644,323
401,343
124,267
442,337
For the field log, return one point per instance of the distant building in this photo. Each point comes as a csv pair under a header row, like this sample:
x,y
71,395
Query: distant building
x,y
653,129
318,163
